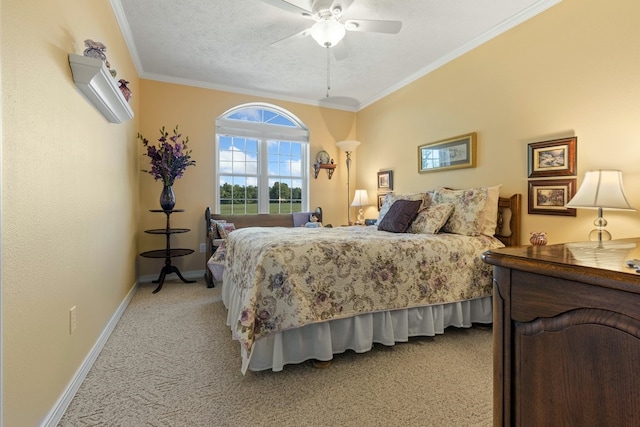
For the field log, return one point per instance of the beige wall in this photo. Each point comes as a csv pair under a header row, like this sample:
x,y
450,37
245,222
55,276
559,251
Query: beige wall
x,y
69,198
73,213
572,70
195,111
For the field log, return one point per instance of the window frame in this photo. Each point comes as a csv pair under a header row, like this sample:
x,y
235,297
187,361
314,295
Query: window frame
x,y
263,133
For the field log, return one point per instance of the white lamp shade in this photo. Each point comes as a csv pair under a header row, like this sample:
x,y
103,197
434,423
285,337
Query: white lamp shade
x,y
348,145
601,189
361,198
327,32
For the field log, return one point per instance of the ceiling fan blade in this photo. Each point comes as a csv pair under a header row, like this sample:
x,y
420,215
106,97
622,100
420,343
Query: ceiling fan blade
x,y
291,39
289,7
373,26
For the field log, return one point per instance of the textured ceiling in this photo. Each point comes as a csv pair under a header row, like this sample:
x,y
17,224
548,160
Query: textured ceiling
x,y
226,45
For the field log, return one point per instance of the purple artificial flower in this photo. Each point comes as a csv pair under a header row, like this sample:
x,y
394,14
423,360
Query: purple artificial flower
x,y
168,162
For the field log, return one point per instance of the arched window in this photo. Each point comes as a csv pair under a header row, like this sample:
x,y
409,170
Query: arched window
x,y
262,161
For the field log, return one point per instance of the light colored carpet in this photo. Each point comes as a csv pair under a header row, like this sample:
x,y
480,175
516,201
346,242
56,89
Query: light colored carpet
x,y
171,362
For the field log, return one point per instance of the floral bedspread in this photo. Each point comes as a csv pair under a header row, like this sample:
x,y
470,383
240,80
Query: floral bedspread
x,y
290,277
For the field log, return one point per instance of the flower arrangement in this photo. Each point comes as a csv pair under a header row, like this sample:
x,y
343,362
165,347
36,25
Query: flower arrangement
x,y
170,159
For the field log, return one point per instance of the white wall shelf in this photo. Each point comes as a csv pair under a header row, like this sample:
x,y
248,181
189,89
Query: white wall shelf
x,y
96,83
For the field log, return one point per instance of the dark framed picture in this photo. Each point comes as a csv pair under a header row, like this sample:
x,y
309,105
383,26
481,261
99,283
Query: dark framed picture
x,y
385,180
453,153
552,158
381,197
549,196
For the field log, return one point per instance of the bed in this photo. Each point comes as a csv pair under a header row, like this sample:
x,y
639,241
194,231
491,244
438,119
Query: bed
x,y
298,294
214,225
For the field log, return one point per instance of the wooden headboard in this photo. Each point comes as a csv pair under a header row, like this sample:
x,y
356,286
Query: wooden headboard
x,y
509,216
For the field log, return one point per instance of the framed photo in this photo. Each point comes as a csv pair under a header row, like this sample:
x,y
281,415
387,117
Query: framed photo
x,y
552,158
453,153
549,197
385,181
381,197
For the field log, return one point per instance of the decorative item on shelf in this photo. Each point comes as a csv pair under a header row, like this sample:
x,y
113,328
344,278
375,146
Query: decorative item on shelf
x,y
126,92
323,161
348,147
538,238
98,50
360,199
601,189
95,50
168,163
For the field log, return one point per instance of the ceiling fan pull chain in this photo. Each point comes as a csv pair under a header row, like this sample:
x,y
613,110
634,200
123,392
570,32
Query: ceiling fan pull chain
x,y
328,71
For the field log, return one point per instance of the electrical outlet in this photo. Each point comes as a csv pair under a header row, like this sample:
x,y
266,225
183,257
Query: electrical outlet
x,y
72,319
203,248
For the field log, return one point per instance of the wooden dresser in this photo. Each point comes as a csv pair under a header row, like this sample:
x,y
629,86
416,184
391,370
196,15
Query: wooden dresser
x,y
566,334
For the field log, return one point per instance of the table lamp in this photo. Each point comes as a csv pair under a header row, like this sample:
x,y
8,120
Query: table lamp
x,y
601,189
360,199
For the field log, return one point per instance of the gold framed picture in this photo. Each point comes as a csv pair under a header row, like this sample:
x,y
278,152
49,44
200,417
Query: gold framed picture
x,y
452,153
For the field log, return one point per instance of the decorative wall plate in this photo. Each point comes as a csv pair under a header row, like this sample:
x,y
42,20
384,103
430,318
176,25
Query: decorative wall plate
x,y
323,157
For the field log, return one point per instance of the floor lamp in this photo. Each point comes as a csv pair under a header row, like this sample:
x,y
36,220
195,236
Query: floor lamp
x,y
348,147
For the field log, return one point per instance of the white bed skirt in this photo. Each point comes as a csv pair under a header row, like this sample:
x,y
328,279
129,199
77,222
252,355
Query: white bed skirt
x,y
320,341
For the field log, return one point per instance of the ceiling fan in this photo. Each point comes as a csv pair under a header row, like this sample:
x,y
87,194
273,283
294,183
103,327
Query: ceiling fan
x,y
328,29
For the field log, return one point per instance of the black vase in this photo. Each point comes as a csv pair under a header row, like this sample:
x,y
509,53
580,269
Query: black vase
x,y
167,198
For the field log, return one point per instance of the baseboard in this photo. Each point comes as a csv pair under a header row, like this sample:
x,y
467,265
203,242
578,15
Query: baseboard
x,y
190,275
56,413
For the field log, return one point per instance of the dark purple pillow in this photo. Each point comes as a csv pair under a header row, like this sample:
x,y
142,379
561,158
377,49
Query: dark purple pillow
x,y
400,215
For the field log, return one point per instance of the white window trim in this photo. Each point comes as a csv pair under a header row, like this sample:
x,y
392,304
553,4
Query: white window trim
x,y
264,132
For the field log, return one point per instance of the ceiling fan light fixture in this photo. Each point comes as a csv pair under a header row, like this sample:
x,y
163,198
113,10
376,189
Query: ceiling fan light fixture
x,y
327,32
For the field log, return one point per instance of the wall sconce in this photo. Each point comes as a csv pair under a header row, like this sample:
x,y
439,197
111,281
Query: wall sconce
x,y
601,189
360,199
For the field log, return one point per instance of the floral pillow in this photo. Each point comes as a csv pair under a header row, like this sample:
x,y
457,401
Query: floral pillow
x,y
224,228
430,220
215,234
468,213
391,198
